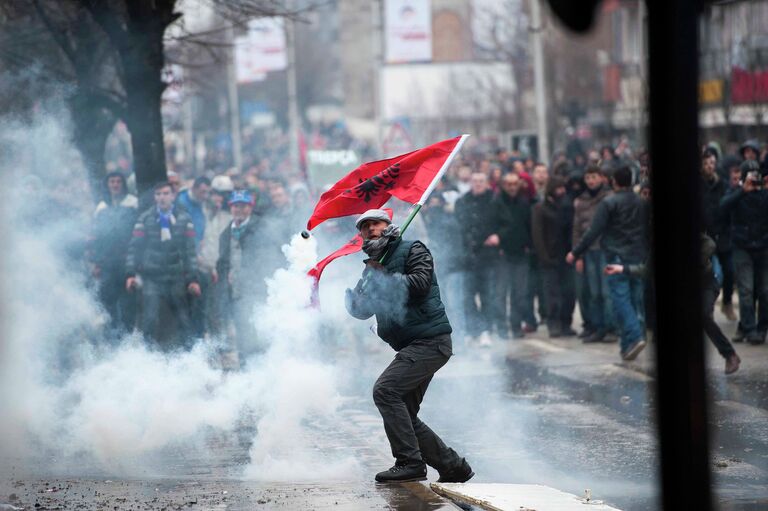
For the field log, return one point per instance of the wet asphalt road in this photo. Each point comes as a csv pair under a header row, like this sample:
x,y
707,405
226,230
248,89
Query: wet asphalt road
x,y
513,427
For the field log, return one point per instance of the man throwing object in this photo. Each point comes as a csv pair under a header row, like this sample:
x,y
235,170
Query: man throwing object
x,y
404,295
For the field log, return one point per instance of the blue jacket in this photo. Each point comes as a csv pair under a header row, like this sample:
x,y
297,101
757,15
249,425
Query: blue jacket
x,y
195,212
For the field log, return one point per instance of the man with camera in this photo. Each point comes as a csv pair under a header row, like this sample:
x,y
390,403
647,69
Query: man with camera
x,y
747,207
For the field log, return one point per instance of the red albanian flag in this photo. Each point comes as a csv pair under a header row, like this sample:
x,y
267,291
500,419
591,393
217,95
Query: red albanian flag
x,y
352,246
371,184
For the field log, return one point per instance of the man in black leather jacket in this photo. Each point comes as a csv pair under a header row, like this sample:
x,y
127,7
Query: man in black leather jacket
x,y
622,221
399,286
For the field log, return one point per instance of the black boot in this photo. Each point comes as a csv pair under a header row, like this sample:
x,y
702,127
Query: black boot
x,y
460,474
401,473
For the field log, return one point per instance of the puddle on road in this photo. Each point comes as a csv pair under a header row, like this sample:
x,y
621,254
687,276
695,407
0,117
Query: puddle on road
x,y
85,495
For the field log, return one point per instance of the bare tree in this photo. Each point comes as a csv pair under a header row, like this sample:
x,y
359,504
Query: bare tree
x,y
115,54
82,72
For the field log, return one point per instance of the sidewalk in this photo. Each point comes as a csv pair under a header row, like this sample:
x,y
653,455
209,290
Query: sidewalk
x,y
591,369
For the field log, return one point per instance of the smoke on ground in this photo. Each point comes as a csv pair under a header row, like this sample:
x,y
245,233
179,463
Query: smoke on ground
x,y
71,399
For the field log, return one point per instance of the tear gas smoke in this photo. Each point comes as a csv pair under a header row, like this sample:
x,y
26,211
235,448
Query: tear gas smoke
x,y
67,395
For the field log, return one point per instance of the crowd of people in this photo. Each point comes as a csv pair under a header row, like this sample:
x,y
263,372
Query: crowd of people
x,y
518,244
184,268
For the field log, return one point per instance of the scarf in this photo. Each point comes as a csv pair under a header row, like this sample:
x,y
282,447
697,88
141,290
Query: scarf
x,y
166,220
237,230
376,248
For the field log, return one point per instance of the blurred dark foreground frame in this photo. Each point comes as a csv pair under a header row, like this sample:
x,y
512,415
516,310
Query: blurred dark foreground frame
x,y
672,34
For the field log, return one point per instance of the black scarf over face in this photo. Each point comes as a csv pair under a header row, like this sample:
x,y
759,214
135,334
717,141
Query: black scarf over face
x,y
376,248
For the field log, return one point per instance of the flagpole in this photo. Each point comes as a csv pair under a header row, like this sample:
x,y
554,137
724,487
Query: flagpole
x,y
417,207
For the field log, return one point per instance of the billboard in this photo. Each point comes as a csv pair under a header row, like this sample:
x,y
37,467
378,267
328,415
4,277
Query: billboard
x,y
408,31
261,50
326,167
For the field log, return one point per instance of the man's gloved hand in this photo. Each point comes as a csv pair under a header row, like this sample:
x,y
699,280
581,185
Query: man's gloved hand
x,y
354,301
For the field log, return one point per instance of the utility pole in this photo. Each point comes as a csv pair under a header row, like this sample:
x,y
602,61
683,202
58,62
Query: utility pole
x,y
293,107
234,103
539,81
377,18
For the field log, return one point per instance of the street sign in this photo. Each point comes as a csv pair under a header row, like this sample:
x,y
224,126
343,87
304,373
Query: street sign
x,y
397,140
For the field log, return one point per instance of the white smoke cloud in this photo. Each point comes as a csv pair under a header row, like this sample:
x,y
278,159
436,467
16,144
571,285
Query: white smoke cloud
x,y
67,395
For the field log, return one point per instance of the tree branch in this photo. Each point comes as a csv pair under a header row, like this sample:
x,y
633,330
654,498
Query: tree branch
x,y
58,34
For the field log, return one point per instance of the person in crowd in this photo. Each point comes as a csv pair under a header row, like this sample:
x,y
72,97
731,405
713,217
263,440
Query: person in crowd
x,y
551,225
540,176
193,201
475,215
494,181
404,294
162,262
217,218
175,181
464,179
443,230
236,267
111,233
276,226
713,189
513,223
746,207
710,288
750,150
599,308
731,175
502,158
621,222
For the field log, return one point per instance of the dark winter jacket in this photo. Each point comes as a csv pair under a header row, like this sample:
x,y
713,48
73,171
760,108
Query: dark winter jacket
x,y
622,221
748,213
712,192
584,209
475,215
405,296
111,233
166,260
250,245
551,224
513,221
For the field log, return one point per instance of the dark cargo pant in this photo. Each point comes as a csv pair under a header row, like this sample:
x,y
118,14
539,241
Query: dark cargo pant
x,y
173,293
398,394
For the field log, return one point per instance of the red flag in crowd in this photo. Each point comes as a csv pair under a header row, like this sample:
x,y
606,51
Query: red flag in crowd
x,y
372,184
352,246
